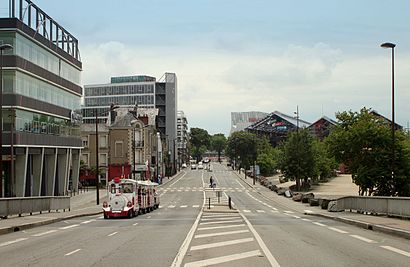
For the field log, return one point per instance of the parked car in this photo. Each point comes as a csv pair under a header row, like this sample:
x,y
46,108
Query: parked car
x,y
200,167
193,167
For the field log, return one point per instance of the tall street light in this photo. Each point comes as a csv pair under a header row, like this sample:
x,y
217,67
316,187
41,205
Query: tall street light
x,y
112,107
2,48
392,46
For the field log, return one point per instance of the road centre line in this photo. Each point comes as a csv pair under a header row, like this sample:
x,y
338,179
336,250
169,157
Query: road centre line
x,y
220,227
85,222
177,180
222,233
402,252
113,234
223,259
306,220
45,233
12,242
68,227
337,230
363,238
265,249
231,221
222,244
318,223
72,252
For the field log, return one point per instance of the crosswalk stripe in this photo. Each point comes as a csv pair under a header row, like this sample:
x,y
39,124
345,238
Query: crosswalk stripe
x,y
260,211
218,219
230,221
222,233
220,227
246,211
222,244
223,259
183,206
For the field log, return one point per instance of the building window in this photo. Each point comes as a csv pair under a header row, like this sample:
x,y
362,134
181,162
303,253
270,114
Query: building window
x,y
103,159
85,141
118,149
85,158
103,141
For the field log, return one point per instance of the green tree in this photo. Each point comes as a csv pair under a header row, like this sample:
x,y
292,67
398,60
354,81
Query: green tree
x,y
241,146
363,142
200,142
218,143
325,164
267,158
297,160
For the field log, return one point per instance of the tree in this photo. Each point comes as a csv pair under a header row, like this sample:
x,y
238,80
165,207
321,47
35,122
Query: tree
x,y
325,164
267,158
363,142
200,141
241,146
297,160
218,143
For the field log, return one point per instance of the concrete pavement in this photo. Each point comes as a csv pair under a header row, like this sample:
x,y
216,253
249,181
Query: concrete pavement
x,y
389,225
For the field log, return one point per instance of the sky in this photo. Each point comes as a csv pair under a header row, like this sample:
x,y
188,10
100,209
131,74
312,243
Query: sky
x,y
260,55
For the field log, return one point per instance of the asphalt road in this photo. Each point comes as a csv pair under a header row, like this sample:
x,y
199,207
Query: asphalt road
x,y
263,233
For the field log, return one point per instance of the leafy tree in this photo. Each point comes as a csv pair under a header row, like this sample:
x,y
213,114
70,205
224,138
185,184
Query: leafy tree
x,y
241,146
363,142
297,160
325,164
200,141
218,143
267,158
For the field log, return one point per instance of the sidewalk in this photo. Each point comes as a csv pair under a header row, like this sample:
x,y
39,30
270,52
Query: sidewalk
x,y
389,225
83,204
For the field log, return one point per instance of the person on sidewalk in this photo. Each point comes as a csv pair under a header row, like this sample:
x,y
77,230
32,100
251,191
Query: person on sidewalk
x,y
211,181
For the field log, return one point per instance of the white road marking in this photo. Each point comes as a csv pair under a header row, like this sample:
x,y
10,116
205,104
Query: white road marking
x,y
160,207
171,206
149,217
222,244
220,227
274,208
265,249
231,221
363,239
297,217
275,211
220,219
402,252
177,180
219,215
337,230
222,233
179,190
318,223
246,210
135,224
68,227
113,234
12,242
45,233
195,206
288,211
101,217
72,252
85,222
308,211
306,220
183,206
223,259
260,211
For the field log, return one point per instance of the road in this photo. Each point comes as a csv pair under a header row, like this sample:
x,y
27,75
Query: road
x,y
263,233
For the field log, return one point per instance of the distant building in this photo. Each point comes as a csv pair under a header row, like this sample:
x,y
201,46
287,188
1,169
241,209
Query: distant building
x,y
241,120
41,104
141,91
386,120
276,126
322,127
182,138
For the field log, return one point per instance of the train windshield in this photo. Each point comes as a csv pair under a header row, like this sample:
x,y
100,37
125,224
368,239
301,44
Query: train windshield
x,y
126,188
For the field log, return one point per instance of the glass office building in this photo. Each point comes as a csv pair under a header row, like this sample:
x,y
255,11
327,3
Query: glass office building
x,y
41,104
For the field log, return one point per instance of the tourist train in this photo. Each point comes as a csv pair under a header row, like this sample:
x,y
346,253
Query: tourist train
x,y
128,198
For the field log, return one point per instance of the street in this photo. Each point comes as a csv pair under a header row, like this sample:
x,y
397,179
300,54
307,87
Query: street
x,y
262,233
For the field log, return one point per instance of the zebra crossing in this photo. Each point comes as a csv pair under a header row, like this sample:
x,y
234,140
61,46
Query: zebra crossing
x,y
200,189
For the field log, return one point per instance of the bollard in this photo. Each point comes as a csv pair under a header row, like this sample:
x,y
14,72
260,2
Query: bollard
x,y
209,203
229,202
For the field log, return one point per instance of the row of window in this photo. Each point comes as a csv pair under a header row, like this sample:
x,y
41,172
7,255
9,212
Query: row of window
x,y
20,83
120,100
120,90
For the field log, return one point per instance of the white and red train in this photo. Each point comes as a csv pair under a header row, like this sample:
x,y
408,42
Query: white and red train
x,y
128,198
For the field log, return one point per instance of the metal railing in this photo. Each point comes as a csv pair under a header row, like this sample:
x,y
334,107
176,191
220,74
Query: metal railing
x,y
29,205
390,206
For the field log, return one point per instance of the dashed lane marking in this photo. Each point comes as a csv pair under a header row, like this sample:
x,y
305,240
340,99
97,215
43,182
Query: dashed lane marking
x,y
183,206
363,238
171,206
12,242
220,227
224,243
402,252
260,211
72,252
224,259
85,222
246,211
297,217
195,206
135,224
45,233
318,223
288,211
113,234
68,227
306,220
274,208
337,230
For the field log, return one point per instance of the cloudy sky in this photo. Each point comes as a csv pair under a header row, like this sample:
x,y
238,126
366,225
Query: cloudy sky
x,y
259,55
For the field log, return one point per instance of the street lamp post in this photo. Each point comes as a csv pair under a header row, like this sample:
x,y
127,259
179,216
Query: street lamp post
x,y
112,107
2,48
392,46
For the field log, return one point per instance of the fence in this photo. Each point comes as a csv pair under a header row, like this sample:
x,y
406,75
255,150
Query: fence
x,y
13,206
390,206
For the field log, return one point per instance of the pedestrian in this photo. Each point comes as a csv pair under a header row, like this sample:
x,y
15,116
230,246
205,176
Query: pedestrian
x,y
214,185
211,181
